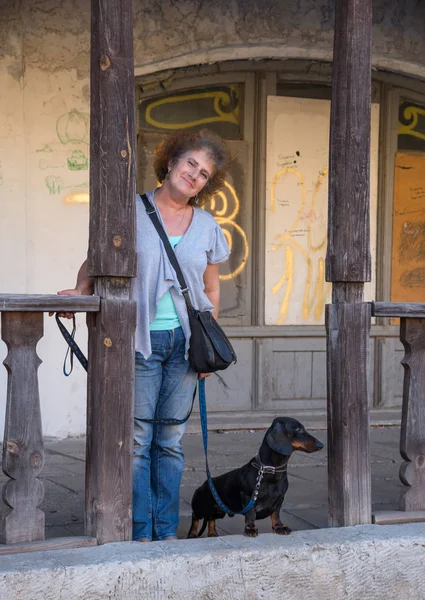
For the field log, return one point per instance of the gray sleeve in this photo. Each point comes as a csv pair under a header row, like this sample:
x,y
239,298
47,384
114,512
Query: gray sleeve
x,y
219,250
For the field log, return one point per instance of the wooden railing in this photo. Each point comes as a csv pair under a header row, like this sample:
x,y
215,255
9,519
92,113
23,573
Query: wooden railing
x,y
412,438
22,526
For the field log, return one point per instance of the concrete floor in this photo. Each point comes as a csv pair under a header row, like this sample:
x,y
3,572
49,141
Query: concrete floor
x,y
305,505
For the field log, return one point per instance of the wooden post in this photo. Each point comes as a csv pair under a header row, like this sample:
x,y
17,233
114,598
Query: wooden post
x,y
412,441
348,266
23,452
112,261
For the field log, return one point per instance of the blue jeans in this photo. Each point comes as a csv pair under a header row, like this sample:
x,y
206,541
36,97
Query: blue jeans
x,y
164,387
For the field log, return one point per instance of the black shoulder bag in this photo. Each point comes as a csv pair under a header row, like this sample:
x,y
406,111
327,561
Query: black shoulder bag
x,y
210,350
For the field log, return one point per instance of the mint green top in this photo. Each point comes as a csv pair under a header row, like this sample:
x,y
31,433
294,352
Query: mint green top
x,y
166,316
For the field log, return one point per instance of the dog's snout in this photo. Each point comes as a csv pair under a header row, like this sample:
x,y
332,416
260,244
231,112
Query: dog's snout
x,y
319,445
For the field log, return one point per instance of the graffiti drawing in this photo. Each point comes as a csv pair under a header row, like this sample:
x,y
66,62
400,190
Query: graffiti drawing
x,y
411,116
225,108
316,289
77,161
55,184
45,164
73,127
45,148
224,205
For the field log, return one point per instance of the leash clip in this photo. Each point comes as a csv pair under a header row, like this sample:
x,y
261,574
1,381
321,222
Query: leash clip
x,y
268,470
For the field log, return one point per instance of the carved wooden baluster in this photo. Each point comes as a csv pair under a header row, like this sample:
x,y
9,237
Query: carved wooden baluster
x,y
23,454
412,440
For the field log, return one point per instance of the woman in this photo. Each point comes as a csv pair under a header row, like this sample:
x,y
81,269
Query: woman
x,y
191,167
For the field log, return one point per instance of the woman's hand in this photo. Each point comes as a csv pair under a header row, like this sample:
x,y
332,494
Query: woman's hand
x,y
71,292
203,375
84,287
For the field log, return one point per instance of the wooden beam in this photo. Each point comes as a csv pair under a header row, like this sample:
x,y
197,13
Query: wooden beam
x,y
23,451
348,266
412,440
348,254
109,422
111,261
48,303
112,141
349,479
398,309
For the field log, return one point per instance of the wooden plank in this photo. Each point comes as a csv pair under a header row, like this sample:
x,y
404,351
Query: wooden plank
x,y
392,517
349,475
23,451
110,421
51,544
348,254
412,440
112,141
398,309
48,303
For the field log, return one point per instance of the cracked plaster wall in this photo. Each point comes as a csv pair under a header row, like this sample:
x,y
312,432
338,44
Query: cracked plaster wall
x,y
44,74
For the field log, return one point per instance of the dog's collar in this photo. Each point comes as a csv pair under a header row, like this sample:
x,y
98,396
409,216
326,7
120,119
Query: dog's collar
x,y
267,469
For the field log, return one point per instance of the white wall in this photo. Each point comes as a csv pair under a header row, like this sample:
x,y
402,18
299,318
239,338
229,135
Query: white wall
x,y
43,240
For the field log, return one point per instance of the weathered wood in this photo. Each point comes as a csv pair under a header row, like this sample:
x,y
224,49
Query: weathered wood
x,y
348,253
112,140
110,421
347,292
392,517
51,544
412,440
48,303
348,266
112,261
349,477
23,452
398,309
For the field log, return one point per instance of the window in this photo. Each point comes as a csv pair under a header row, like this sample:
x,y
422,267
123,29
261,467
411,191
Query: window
x,y
220,109
411,126
408,250
297,208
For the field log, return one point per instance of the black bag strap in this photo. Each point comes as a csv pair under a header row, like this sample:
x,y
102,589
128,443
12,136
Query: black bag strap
x,y
150,209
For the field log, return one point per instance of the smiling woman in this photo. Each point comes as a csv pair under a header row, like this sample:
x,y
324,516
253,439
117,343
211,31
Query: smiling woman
x,y
191,167
208,147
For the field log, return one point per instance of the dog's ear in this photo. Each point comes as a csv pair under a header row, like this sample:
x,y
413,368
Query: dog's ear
x,y
278,441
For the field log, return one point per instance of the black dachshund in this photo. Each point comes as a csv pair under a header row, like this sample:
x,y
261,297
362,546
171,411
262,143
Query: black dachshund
x,y
236,487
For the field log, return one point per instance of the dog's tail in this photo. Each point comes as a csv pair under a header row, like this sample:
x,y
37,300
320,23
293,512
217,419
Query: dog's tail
x,y
204,524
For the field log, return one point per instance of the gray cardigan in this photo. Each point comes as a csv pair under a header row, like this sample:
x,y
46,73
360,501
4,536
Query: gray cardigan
x,y
203,243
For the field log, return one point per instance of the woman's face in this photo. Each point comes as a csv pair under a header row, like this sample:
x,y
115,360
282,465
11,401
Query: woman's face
x,y
189,174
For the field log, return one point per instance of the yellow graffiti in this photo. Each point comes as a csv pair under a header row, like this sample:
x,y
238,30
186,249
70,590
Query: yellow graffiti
x,y
220,98
312,303
224,202
411,112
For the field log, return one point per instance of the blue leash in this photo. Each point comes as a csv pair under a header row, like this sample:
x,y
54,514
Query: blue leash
x,y
73,348
203,415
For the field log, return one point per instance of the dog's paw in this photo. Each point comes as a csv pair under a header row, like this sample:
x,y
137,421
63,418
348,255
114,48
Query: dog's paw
x,y
282,530
251,531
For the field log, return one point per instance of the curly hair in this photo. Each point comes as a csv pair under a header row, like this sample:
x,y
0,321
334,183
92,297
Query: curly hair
x,y
170,149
